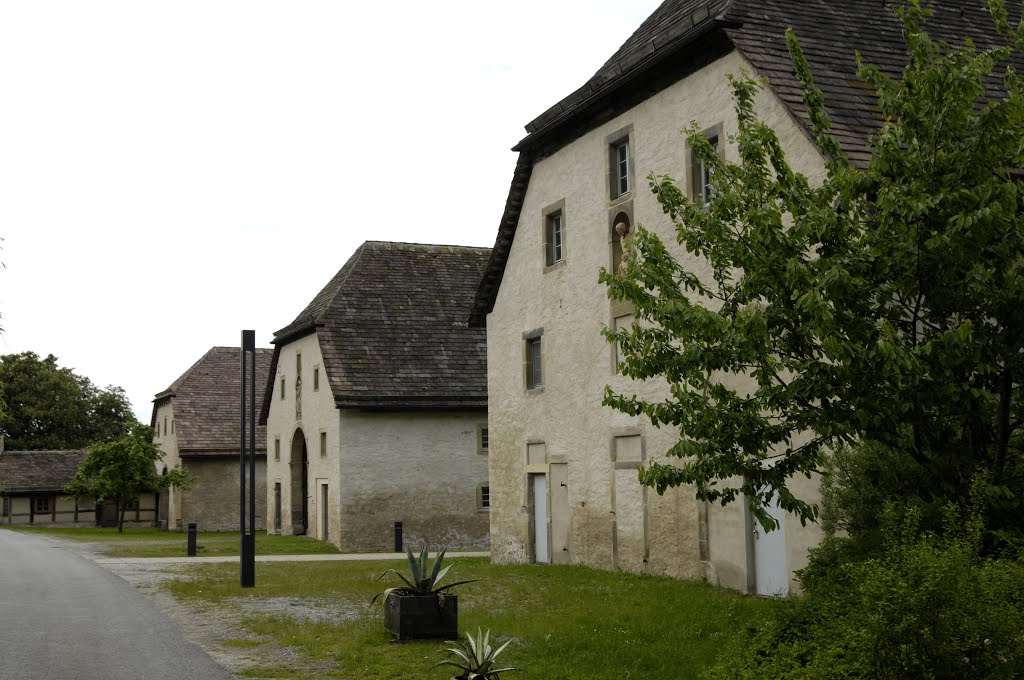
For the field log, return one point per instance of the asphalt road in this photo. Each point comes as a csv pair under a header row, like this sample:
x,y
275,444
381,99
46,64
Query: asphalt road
x,y
63,617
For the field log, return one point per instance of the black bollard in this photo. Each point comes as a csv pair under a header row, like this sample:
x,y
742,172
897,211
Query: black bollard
x,y
191,539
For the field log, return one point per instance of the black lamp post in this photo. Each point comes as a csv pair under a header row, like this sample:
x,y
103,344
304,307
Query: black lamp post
x,y
247,560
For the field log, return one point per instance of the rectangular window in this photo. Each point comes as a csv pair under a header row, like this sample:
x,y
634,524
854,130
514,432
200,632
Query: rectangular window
x,y
42,504
554,237
172,425
165,424
483,440
323,444
620,165
316,378
298,364
703,189
534,376
282,388
485,497
277,448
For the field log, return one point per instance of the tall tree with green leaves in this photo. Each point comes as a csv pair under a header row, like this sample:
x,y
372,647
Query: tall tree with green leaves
x,y
885,305
120,471
52,407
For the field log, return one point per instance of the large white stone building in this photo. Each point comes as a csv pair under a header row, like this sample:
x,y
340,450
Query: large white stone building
x,y
564,485
376,409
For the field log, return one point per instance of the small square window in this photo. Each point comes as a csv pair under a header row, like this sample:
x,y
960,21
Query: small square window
x,y
534,375
316,378
323,444
277,448
41,504
554,238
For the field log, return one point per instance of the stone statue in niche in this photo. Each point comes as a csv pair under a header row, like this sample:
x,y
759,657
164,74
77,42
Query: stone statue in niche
x,y
624,242
298,397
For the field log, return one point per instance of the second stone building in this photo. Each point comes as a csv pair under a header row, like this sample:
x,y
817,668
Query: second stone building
x,y
376,406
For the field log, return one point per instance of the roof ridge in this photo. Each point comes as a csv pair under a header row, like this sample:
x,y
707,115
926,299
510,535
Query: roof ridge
x,y
176,384
315,316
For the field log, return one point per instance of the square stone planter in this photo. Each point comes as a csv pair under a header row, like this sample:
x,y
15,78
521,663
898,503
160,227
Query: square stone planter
x,y
422,617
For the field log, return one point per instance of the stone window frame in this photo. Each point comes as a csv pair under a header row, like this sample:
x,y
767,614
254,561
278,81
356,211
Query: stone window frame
x,y
613,143
41,505
622,432
553,260
533,365
698,184
483,439
277,449
483,497
323,443
316,378
283,390
172,425
165,426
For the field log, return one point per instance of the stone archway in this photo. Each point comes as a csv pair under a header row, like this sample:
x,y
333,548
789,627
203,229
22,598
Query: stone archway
x,y
299,469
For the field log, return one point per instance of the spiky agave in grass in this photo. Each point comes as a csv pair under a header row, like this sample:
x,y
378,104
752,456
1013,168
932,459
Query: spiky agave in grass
x,y
422,580
475,658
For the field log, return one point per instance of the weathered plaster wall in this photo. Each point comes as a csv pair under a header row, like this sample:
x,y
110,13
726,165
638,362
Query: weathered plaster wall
x,y
614,523
421,469
318,415
213,502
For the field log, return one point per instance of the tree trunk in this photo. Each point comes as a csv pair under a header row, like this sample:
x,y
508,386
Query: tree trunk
x,y
120,517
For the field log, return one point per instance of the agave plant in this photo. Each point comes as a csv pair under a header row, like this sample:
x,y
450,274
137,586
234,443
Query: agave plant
x,y
421,580
475,658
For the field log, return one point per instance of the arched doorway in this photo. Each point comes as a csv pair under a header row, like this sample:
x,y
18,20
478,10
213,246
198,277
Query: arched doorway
x,y
299,468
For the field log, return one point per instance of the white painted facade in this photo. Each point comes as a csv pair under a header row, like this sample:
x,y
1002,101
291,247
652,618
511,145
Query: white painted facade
x,y
605,518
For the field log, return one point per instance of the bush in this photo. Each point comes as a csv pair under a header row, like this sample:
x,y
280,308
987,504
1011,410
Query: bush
x,y
930,606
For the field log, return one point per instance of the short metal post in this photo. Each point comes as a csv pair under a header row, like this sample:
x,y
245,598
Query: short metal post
x,y
191,539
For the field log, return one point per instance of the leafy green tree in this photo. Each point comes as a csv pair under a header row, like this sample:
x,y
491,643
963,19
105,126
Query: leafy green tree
x,y
885,305
122,470
50,407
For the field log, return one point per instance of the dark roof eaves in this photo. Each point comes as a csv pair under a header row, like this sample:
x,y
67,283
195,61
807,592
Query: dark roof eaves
x,y
537,134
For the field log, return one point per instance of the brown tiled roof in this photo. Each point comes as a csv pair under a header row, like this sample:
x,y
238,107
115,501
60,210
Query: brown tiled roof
x,y
683,35
38,471
205,400
392,328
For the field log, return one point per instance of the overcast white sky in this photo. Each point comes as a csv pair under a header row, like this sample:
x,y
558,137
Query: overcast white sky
x,y
174,172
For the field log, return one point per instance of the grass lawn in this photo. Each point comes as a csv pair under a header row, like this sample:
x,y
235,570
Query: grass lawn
x,y
135,542
568,622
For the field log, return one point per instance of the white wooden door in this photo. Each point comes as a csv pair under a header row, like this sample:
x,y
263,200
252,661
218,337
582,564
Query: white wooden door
x,y
541,551
770,569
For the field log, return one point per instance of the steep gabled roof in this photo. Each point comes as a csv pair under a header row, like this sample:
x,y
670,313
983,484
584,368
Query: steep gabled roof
x,y
38,471
392,328
681,36
205,400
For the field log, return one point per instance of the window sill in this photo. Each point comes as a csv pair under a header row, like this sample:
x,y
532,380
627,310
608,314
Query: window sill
x,y
554,267
535,390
